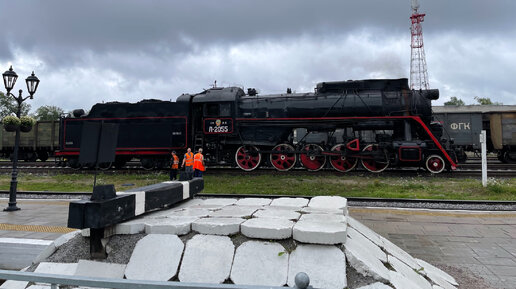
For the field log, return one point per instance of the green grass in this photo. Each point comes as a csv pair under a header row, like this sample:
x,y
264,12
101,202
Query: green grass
x,y
284,184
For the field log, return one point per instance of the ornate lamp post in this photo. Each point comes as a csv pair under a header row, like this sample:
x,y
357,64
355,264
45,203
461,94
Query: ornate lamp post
x,y
10,78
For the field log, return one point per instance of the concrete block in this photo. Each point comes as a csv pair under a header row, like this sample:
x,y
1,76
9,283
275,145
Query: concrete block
x,y
325,265
310,210
435,273
365,263
148,263
400,281
271,212
65,238
38,287
234,212
207,259
11,284
260,263
100,269
289,202
131,227
376,285
320,232
220,201
56,268
371,247
190,212
267,228
328,202
174,226
253,202
323,218
395,251
217,226
410,273
364,230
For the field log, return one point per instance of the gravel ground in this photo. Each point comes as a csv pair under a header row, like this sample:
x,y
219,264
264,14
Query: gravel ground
x,y
466,280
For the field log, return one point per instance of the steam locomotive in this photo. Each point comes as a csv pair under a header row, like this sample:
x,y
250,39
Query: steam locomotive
x,y
379,123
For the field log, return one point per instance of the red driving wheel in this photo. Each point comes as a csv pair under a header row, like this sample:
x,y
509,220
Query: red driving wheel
x,y
342,163
372,165
248,158
435,164
283,158
311,157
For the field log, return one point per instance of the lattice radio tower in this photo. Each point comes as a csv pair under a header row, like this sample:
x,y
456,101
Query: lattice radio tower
x,y
418,73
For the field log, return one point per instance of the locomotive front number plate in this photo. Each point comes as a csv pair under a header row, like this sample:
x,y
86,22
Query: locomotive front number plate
x,y
218,125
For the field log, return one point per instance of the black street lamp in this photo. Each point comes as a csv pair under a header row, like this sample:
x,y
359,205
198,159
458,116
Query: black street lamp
x,y
10,78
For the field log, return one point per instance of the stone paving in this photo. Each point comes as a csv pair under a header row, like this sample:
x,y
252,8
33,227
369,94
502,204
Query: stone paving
x,y
482,243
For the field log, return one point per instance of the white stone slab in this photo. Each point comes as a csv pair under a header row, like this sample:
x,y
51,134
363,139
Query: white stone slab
x,y
410,273
320,232
135,226
149,263
364,230
325,265
432,272
267,228
371,247
217,226
310,210
187,203
365,263
270,212
190,212
173,226
234,212
399,253
16,253
220,201
289,202
401,282
56,268
328,202
207,259
253,202
376,285
38,287
11,284
65,238
100,269
260,263
323,218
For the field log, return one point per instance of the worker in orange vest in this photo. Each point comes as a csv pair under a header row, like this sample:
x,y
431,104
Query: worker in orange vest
x,y
188,162
198,166
174,165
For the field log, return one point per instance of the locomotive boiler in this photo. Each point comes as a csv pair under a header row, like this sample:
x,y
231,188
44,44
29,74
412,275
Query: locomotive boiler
x,y
377,123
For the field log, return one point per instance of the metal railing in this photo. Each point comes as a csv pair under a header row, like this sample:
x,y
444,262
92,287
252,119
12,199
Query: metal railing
x,y
302,281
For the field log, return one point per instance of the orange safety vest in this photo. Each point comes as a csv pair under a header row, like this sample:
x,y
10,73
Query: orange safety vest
x,y
189,159
175,162
198,162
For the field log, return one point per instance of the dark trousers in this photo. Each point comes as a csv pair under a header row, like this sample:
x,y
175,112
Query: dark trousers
x,y
173,174
197,173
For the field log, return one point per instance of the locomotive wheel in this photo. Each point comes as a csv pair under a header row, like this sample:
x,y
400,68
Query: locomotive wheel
x,y
373,165
105,166
148,164
43,155
312,160
284,159
248,158
435,164
74,164
342,163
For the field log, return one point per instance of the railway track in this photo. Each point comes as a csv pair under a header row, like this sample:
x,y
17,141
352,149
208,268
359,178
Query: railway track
x,y
469,169
474,205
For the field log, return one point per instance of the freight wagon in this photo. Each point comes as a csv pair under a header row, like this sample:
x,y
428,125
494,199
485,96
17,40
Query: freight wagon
x,y
39,143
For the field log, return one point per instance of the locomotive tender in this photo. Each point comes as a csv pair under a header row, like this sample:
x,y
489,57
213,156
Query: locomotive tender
x,y
379,123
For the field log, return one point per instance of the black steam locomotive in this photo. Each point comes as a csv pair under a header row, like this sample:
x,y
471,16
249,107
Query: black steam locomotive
x,y
379,123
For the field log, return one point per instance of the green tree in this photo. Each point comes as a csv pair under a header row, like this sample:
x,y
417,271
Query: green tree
x,y
48,112
454,101
486,101
9,106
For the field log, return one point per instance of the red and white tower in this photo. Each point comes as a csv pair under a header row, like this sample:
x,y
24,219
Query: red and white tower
x,y
418,73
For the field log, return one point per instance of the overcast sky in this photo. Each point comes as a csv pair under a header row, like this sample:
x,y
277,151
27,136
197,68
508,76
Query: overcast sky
x,y
126,50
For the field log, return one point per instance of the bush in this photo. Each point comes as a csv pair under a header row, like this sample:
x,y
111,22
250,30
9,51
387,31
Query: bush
x,y
11,120
27,121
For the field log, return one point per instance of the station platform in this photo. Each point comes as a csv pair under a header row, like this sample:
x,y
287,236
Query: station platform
x,y
481,244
